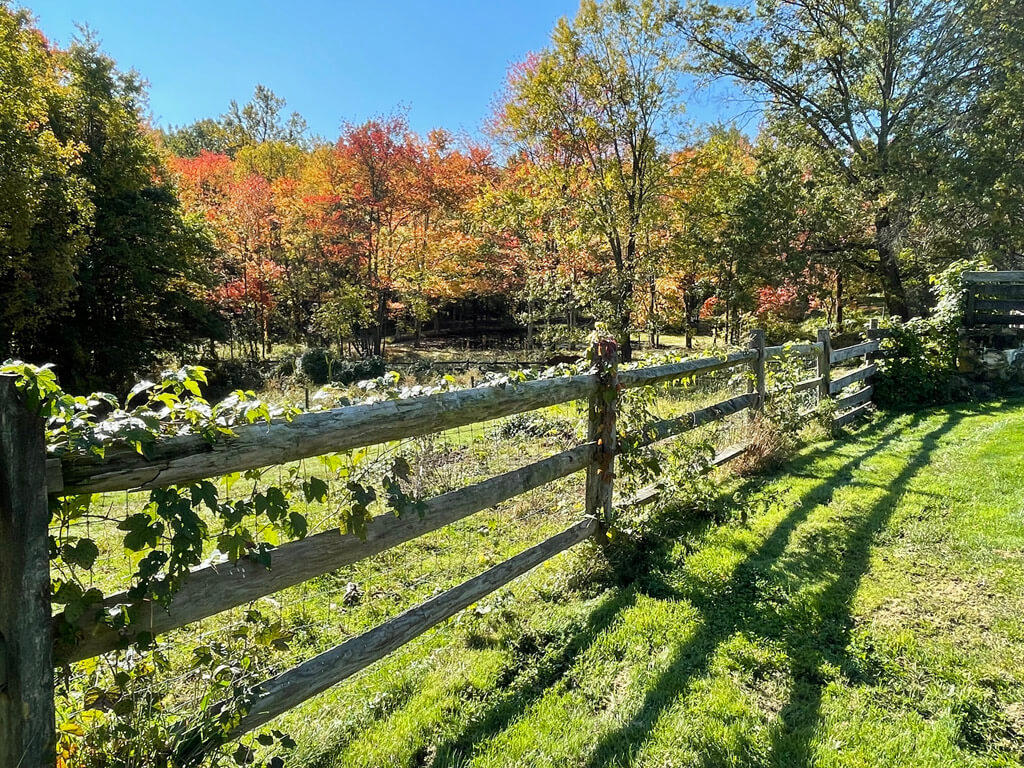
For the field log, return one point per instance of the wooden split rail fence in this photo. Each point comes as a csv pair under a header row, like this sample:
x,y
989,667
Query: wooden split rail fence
x,y
994,299
28,478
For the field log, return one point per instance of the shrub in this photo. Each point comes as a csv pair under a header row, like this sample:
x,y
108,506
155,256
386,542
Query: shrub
x,y
286,367
920,365
319,366
226,376
351,371
533,425
314,366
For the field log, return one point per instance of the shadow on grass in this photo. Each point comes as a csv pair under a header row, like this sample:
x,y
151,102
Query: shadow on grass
x,y
811,647
525,690
522,690
738,606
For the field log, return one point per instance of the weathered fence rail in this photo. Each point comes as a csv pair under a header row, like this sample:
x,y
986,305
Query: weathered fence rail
x,y
27,627
994,298
219,587
300,683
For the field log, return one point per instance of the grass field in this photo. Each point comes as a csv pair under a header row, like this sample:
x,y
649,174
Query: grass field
x,y
864,607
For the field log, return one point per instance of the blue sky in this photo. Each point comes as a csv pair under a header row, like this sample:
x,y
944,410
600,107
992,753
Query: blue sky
x,y
443,60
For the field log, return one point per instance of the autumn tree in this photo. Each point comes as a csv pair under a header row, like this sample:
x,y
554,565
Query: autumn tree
x,y
379,157
441,266
707,185
875,88
589,111
324,288
206,135
532,228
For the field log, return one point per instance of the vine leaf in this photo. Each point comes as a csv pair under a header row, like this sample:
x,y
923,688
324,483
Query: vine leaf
x,y
83,553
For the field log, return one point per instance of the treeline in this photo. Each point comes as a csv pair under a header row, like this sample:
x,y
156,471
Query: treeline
x,y
890,146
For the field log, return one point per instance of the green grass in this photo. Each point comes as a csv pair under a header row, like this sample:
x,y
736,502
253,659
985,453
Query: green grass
x,y
867,609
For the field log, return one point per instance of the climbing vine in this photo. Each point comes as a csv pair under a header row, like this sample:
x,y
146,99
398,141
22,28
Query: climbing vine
x,y
119,709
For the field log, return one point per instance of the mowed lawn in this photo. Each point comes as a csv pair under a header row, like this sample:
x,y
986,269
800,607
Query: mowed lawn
x,y
864,606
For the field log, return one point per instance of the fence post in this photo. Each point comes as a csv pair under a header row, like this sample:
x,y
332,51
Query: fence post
x,y
872,334
824,364
602,411
757,366
27,727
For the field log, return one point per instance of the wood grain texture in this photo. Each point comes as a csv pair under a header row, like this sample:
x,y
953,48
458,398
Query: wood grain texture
x,y
858,397
800,386
639,377
994,277
312,677
998,305
983,318
54,478
218,587
844,381
27,720
728,454
874,333
651,493
666,428
857,350
851,416
996,291
759,384
187,459
824,364
602,411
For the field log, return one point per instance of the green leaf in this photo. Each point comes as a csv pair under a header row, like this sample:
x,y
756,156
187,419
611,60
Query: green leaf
x,y
83,554
142,532
314,489
75,729
297,525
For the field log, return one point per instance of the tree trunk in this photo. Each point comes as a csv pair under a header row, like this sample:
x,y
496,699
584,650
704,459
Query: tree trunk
x,y
889,268
839,301
624,295
625,318
529,324
378,330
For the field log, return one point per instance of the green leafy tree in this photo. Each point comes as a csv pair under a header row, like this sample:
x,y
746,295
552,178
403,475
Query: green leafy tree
x,y
875,87
206,135
261,120
978,202
45,212
257,122
141,279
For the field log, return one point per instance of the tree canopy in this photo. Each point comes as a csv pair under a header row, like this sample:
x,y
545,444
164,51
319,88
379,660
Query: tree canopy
x,y
889,146
879,90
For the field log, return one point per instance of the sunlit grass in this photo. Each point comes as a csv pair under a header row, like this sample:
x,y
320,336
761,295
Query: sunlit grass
x,y
868,612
